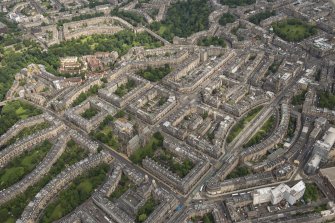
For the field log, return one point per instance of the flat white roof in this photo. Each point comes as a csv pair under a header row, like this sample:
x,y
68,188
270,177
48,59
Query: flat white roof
x,y
329,136
300,186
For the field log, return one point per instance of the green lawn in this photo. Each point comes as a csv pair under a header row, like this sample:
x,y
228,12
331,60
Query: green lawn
x,y
312,192
262,133
15,111
77,192
326,100
12,210
104,133
293,30
21,113
163,29
23,164
148,150
237,128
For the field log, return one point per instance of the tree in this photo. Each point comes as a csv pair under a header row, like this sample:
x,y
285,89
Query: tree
x,y
142,217
226,18
183,19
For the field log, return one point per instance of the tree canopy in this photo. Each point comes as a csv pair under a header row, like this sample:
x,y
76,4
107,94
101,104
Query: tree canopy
x,y
212,41
226,18
235,3
257,18
13,61
183,19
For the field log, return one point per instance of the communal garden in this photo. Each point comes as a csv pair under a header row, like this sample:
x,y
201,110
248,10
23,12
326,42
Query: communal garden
x,y
83,96
155,74
144,211
312,192
12,210
132,17
15,111
240,171
273,68
20,166
156,151
259,17
291,127
212,41
183,19
104,133
261,134
299,98
236,3
75,194
293,30
240,125
89,113
227,18
326,100
124,89
124,184
25,132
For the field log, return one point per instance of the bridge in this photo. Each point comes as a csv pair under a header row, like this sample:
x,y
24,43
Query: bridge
x,y
2,103
158,36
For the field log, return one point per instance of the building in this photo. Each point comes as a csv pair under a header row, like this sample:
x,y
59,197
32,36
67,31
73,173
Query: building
x,y
69,65
328,175
277,194
313,164
262,195
321,151
291,195
295,193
